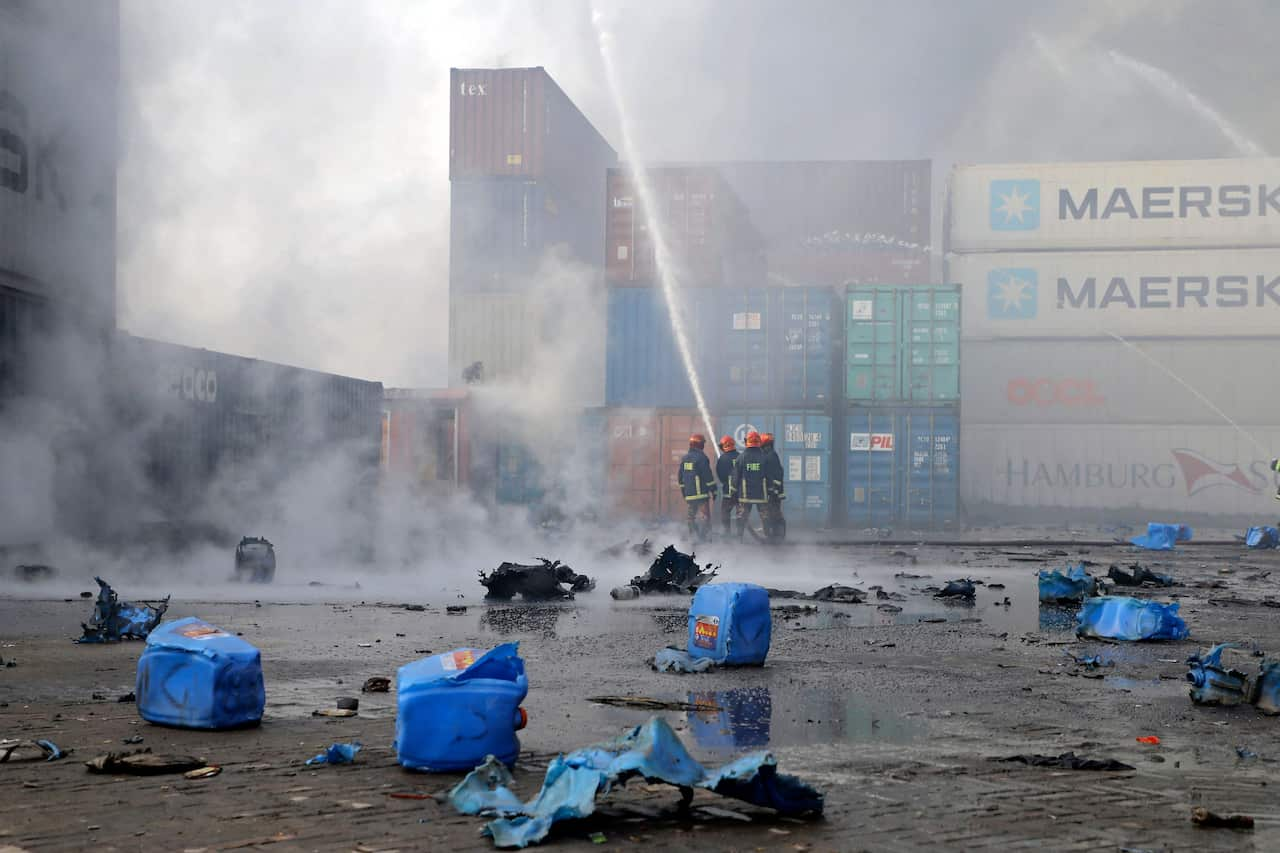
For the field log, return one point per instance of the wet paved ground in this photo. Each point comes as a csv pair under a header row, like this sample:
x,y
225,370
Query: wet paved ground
x,y
893,708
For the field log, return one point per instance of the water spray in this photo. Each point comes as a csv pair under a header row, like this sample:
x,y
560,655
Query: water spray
x,y
662,253
1185,384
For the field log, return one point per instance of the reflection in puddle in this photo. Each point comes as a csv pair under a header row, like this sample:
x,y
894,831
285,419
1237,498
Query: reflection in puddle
x,y
751,718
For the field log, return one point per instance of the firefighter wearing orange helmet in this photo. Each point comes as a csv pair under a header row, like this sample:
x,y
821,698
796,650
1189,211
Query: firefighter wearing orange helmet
x,y
724,473
749,484
698,485
775,524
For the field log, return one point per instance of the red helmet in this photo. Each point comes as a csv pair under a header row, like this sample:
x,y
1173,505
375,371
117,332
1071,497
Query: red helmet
x,y
698,440
753,439
727,443
766,439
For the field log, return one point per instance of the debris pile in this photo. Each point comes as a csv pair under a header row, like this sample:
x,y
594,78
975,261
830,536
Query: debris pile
x,y
1216,683
962,589
1068,761
115,620
1161,537
671,573
1262,538
652,752
1075,585
1138,575
544,582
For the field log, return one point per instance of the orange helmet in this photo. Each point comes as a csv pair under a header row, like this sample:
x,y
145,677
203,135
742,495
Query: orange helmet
x,y
753,439
727,443
766,439
698,440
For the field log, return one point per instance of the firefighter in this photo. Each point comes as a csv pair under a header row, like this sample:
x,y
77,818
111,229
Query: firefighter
x,y
1275,466
699,486
748,485
774,523
724,473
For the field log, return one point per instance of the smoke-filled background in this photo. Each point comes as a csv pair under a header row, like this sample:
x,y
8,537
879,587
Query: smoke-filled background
x,y
283,194
284,174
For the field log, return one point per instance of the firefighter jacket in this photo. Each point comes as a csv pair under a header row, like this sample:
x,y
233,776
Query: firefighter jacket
x,y
724,468
754,478
696,480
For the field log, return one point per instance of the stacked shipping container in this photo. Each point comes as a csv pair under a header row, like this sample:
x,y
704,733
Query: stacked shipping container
x,y
760,252
1116,316
527,173
902,385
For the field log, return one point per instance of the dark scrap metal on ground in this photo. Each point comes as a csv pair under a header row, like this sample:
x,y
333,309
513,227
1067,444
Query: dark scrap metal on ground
x,y
143,763
1211,820
1067,761
671,573
548,581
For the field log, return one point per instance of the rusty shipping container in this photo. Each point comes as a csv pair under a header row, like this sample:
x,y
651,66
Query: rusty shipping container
x,y
708,230
517,123
644,448
834,223
426,439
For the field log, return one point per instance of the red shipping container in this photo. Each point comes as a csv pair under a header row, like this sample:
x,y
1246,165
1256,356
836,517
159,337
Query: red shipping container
x,y
644,450
517,123
426,438
709,232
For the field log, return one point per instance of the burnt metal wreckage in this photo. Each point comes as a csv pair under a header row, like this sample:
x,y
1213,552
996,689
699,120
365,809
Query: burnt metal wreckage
x,y
113,620
551,580
671,573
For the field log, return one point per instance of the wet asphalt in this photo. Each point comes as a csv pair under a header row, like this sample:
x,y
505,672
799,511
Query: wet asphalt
x,y
894,708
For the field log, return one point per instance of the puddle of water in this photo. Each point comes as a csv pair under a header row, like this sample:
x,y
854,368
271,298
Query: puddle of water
x,y
750,718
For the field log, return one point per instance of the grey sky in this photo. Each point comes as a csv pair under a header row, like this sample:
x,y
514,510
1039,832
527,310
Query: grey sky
x,y
284,184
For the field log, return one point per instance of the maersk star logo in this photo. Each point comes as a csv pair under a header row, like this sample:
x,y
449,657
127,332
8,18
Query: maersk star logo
x,y
1011,293
1015,205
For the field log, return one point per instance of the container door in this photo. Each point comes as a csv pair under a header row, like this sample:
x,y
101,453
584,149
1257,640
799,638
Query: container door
x,y
872,319
801,331
871,482
932,365
634,445
931,487
747,347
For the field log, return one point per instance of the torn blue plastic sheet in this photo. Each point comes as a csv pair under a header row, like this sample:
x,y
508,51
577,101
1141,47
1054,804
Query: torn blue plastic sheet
x,y
672,659
651,751
1119,618
1214,684
1075,585
1262,537
339,753
115,620
1161,537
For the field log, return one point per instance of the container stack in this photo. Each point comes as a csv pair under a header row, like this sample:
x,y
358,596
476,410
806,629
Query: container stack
x,y
902,393
760,254
1118,317
527,186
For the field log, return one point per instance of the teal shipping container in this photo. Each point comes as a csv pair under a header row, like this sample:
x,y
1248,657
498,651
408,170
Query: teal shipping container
x,y
803,440
902,344
901,467
777,347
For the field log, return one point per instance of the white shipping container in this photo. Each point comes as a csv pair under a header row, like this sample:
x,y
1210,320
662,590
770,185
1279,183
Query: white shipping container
x,y
58,107
1201,470
1106,381
534,343
1222,293
1157,204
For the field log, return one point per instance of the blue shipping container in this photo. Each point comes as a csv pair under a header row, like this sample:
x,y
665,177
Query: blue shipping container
x,y
901,467
500,229
643,367
803,441
777,345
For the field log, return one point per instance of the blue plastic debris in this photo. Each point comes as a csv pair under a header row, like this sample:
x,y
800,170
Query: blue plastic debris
x,y
456,708
1161,537
1262,537
672,659
1120,618
1265,695
651,751
1089,661
338,753
729,623
197,676
1214,684
115,620
1075,585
